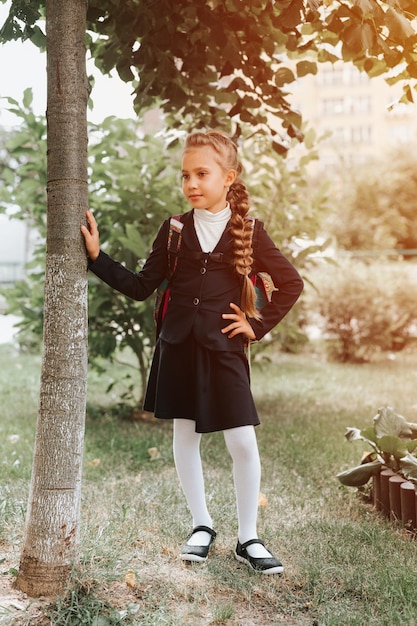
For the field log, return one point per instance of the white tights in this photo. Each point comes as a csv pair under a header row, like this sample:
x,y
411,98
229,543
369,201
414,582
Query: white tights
x,y
243,448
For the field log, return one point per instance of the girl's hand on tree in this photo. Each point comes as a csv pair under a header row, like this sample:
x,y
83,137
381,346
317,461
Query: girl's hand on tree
x,y
91,236
239,325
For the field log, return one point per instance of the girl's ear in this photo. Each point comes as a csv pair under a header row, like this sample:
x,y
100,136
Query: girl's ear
x,y
230,178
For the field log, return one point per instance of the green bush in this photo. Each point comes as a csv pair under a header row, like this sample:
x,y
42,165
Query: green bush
x,y
363,309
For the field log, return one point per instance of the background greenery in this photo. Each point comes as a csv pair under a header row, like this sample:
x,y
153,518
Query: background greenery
x,y
344,564
135,185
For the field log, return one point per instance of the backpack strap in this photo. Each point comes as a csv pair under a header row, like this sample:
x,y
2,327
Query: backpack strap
x,y
174,243
173,247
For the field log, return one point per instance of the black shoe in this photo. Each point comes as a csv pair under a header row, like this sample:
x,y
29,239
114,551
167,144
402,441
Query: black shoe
x,y
197,553
266,565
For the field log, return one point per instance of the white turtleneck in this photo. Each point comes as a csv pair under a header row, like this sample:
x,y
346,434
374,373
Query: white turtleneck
x,y
210,226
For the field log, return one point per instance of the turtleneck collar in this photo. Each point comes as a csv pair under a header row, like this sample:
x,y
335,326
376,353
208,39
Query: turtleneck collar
x,y
210,226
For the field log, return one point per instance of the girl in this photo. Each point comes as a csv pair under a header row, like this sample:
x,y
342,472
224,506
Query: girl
x,y
199,375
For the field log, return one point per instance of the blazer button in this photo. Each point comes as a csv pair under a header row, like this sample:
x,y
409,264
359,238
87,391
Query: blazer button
x,y
196,301
203,270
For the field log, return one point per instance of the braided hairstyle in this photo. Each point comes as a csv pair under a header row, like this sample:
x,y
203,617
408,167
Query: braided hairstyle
x,y
225,154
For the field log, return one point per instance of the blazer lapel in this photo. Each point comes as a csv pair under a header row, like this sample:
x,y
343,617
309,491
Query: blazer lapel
x,y
225,240
189,235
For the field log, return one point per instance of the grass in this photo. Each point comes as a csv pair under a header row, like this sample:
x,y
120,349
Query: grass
x,y
345,566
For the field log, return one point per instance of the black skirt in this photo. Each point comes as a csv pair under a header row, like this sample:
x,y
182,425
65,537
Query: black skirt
x,y
192,382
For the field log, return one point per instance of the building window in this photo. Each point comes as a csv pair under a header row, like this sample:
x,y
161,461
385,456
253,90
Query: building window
x,y
361,134
350,135
330,77
348,105
362,105
400,133
331,106
353,76
334,76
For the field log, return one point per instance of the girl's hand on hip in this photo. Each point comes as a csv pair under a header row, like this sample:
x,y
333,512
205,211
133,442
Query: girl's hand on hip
x,y
239,324
91,236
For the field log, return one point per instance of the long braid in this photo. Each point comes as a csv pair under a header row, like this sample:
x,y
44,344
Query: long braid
x,y
241,230
238,197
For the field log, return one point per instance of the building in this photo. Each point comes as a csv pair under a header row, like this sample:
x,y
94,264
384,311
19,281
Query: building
x,y
359,118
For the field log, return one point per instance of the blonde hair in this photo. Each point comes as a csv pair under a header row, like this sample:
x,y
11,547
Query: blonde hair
x,y
226,156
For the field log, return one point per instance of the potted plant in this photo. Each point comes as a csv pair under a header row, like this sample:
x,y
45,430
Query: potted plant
x,y
392,440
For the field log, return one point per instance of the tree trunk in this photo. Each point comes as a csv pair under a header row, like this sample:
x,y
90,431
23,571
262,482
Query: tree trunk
x,y
52,527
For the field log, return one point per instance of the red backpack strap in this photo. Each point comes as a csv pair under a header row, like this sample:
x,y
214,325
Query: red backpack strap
x,y
173,247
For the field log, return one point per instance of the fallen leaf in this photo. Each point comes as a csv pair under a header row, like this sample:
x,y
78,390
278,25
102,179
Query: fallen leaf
x,y
154,454
262,500
130,578
94,462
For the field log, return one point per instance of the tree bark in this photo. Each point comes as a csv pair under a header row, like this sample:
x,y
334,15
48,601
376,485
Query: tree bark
x,y
52,527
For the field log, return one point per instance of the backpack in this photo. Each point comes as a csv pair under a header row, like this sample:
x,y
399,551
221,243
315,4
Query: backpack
x,y
173,248
262,281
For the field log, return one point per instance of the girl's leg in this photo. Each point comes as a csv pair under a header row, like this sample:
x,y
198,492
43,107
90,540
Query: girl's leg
x,y
186,446
243,448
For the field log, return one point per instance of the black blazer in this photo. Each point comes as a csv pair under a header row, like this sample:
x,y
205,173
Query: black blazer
x,y
204,285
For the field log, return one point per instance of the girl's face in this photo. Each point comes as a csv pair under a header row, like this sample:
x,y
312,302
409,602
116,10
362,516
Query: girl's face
x,y
204,182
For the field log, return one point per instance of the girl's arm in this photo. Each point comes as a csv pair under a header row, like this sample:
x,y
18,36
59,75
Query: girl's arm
x,y
135,285
286,279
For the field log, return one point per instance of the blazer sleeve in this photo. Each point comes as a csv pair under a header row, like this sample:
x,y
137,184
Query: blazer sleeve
x,y
289,284
136,285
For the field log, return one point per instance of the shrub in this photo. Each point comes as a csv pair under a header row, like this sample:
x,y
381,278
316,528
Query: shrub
x,y
365,308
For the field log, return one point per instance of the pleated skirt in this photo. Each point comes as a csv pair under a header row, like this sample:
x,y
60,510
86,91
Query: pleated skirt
x,y
211,387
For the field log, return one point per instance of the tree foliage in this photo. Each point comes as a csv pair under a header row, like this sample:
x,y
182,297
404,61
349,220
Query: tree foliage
x,y
220,64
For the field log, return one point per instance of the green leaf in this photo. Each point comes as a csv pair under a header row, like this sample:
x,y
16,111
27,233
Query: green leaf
x,y
398,25
324,56
408,466
291,16
411,445
284,75
295,132
412,69
392,445
359,475
27,97
124,71
388,422
279,148
374,67
38,38
134,241
306,67
369,434
355,434
408,95
352,37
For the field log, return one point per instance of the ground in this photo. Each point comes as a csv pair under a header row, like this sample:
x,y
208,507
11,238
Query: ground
x,y
17,609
